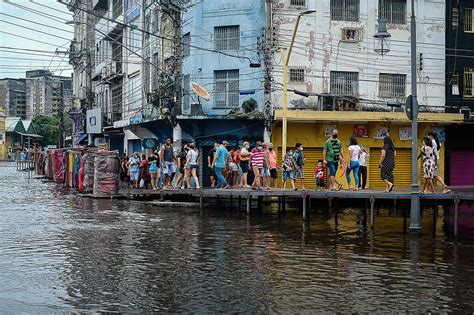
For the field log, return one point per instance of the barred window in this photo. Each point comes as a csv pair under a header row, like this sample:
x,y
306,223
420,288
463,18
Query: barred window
x,y
392,85
186,42
468,20
395,11
455,18
344,83
297,75
455,84
298,3
117,103
135,39
226,88
468,87
227,37
345,10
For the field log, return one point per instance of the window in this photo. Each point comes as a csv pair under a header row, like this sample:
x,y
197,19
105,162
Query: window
x,y
455,84
395,11
226,88
468,88
297,75
345,10
116,9
186,42
134,91
227,37
156,21
298,3
468,21
344,83
392,85
455,18
135,39
186,92
117,103
146,34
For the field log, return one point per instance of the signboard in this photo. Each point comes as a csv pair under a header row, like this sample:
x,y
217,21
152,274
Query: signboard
x,y
135,120
405,133
329,129
150,143
94,121
132,10
381,132
361,131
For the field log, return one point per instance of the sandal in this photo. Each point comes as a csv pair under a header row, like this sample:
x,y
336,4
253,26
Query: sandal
x,y
391,188
446,190
339,187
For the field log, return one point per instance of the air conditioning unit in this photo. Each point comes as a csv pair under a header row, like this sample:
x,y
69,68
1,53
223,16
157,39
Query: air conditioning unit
x,y
112,67
351,35
196,109
466,111
103,72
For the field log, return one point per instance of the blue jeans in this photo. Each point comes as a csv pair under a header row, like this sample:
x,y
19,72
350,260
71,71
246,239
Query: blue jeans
x,y
353,166
221,182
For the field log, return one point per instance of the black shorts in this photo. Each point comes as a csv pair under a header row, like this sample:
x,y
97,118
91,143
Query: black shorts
x,y
213,173
244,165
273,173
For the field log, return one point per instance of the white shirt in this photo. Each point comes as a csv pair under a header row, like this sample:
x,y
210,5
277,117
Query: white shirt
x,y
193,155
436,149
354,150
363,158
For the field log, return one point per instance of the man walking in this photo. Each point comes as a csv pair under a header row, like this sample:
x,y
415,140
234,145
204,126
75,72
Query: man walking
x,y
299,163
168,160
220,162
332,153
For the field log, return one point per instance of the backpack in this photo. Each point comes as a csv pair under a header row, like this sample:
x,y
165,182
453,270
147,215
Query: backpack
x,y
299,158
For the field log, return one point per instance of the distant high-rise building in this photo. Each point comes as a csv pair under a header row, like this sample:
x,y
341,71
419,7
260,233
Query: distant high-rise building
x,y
13,97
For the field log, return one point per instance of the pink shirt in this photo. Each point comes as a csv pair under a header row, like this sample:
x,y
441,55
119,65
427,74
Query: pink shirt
x,y
273,159
257,158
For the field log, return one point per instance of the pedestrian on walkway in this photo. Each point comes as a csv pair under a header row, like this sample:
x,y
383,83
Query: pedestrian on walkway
x,y
437,148
387,163
134,167
220,163
354,153
236,157
168,160
363,168
299,163
210,160
244,163
154,170
124,170
272,166
288,167
144,173
319,175
233,169
257,161
182,157
429,163
332,154
192,166
266,167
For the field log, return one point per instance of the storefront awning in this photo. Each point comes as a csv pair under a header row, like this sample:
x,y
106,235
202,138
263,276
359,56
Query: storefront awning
x,y
348,117
31,135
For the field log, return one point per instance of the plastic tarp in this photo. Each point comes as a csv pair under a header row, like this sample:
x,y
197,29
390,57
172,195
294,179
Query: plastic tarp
x,y
106,173
58,166
88,182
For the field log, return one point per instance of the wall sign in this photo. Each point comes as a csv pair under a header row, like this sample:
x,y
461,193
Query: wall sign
x,y
405,133
361,131
329,130
381,132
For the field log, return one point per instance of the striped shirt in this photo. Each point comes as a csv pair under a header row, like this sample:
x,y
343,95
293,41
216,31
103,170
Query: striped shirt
x,y
257,158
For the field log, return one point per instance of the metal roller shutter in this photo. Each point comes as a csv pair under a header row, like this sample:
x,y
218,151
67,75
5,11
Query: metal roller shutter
x,y
402,173
462,168
312,156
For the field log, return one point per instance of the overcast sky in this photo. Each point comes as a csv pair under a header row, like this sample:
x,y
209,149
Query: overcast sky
x,y
14,63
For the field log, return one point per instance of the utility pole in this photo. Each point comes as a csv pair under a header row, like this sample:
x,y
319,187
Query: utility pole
x,y
267,51
61,117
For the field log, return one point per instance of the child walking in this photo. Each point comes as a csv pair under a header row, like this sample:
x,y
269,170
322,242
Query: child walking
x,y
288,168
319,175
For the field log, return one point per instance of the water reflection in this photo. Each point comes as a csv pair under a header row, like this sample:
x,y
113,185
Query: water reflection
x,y
64,252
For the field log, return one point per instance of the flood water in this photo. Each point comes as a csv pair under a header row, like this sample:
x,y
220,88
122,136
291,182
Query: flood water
x,y
61,252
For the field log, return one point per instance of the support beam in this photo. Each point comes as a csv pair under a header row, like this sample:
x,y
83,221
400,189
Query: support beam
x,y
305,210
248,203
372,209
456,214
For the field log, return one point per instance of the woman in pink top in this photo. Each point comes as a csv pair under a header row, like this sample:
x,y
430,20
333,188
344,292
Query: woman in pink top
x,y
272,166
257,165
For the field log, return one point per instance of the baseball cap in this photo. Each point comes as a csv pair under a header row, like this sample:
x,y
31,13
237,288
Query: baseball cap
x,y
225,142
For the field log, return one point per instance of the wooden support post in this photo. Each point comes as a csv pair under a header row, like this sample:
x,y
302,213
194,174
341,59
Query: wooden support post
x,y
231,202
305,210
283,204
364,214
248,203
279,205
404,214
240,203
218,199
309,203
456,214
372,209
162,195
200,201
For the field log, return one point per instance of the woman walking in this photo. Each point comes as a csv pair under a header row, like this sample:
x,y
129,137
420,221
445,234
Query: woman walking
x,y
354,153
191,166
387,163
124,173
154,171
363,168
429,163
244,163
436,148
182,157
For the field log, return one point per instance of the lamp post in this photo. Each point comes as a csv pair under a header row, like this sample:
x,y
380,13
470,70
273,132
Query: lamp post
x,y
383,37
285,59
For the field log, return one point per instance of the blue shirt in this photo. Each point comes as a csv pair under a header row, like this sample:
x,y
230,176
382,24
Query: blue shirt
x,y
221,157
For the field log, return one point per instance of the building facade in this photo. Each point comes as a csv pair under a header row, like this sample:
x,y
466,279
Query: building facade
x,y
13,96
460,90
353,88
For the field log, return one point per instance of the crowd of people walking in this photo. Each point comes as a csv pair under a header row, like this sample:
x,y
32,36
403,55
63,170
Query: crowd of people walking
x,y
230,166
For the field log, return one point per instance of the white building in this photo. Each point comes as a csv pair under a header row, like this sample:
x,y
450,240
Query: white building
x,y
334,55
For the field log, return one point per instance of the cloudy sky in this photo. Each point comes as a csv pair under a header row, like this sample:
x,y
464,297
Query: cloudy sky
x,y
30,33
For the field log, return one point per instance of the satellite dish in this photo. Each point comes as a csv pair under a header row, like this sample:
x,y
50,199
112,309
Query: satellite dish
x,y
200,91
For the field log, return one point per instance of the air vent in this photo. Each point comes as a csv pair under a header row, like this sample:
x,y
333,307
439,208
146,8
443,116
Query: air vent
x,y
351,35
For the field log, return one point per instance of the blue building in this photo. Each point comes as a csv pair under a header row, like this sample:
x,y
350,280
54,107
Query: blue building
x,y
222,43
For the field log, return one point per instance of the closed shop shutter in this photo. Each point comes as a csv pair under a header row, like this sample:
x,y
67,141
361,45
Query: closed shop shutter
x,y
402,173
462,168
312,155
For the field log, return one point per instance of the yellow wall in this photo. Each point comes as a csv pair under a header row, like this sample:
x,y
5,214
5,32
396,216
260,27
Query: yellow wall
x,y
311,135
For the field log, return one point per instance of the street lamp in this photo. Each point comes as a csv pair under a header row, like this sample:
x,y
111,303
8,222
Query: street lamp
x,y
285,59
383,36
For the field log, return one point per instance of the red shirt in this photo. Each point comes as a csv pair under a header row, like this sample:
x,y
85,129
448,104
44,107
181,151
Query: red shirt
x,y
257,158
236,157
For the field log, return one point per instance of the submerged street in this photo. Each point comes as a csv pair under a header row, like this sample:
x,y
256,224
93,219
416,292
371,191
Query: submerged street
x,y
62,252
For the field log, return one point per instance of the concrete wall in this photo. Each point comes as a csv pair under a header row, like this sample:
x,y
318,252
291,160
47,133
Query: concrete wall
x,y
319,50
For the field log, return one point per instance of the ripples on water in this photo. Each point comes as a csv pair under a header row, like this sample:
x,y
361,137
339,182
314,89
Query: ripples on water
x,y
61,252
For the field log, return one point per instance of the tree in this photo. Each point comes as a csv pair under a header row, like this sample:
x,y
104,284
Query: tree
x,y
47,127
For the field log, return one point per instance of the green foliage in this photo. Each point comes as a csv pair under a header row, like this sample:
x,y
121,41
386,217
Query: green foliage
x,y
48,127
249,111
249,105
